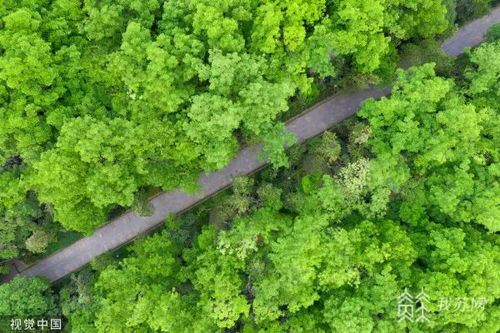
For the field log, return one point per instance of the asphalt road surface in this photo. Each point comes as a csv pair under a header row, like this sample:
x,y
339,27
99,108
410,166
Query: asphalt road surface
x,y
312,122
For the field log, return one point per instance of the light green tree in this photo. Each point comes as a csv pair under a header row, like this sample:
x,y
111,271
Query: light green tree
x,y
26,297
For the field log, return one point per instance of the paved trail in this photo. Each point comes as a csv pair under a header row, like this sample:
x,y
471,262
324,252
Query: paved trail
x,y
471,34
311,123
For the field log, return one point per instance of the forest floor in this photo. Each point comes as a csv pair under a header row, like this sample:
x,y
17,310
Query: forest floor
x,y
311,123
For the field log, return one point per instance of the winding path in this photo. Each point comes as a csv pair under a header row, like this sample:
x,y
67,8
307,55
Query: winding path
x,y
312,122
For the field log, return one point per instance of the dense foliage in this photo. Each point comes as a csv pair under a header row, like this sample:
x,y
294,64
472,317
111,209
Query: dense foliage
x,y
99,99
407,199
104,102
24,297
493,32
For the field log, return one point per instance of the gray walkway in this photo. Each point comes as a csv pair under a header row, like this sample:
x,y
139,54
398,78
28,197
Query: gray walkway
x,y
311,123
471,34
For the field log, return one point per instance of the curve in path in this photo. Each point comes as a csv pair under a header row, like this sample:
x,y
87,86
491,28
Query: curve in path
x,y
312,122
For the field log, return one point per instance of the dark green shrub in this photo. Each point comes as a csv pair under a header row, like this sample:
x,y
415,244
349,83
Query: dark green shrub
x,y
471,9
493,33
416,54
451,6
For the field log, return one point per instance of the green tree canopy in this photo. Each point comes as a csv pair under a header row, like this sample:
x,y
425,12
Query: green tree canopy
x,y
405,201
26,297
436,147
102,98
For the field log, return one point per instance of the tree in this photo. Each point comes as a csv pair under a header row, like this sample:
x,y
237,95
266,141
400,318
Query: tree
x,y
38,241
427,137
105,98
358,27
408,202
26,297
470,9
493,32
27,75
482,75
328,148
17,222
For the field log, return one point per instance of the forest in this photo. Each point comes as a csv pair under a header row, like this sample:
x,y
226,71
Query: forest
x,y
104,103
